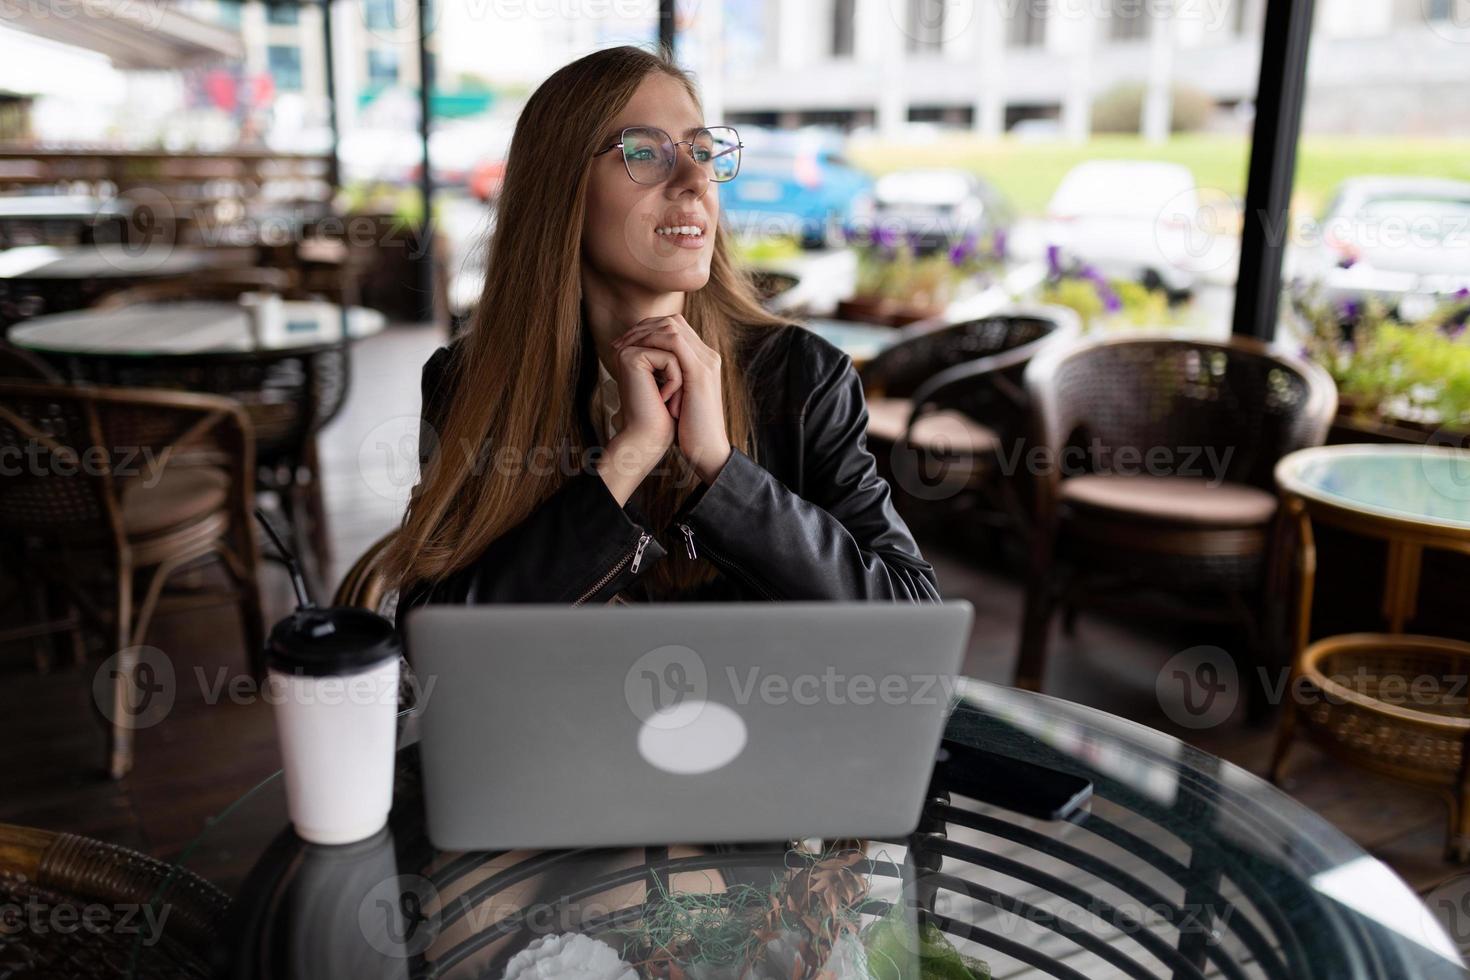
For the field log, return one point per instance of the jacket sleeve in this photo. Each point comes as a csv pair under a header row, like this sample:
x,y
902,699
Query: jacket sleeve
x,y
844,540
577,545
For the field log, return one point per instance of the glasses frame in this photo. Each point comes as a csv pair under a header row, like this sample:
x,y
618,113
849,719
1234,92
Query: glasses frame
x,y
669,140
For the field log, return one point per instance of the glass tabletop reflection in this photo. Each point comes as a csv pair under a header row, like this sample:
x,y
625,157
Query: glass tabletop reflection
x,y
1425,485
1180,865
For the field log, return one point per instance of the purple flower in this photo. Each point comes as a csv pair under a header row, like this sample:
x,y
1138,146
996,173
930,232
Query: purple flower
x,y
885,237
1090,273
1054,261
1351,309
998,244
1463,292
1110,299
960,252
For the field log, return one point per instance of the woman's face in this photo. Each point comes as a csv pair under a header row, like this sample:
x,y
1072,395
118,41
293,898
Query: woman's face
x,y
621,240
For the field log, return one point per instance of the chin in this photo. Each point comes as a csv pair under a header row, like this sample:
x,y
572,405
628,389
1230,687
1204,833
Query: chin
x,y
682,281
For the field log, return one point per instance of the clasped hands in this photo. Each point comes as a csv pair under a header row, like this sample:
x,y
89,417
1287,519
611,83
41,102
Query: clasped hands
x,y
669,384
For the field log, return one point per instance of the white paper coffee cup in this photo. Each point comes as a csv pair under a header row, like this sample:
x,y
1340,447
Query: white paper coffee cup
x,y
333,676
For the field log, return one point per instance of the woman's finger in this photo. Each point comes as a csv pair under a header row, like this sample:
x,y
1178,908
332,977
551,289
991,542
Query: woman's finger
x,y
652,360
674,325
690,359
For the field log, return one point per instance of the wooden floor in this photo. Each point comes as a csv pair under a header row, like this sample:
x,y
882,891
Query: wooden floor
x,y
210,750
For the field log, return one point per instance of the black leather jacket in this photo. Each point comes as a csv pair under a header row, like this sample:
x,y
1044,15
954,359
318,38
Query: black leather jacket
x,y
813,520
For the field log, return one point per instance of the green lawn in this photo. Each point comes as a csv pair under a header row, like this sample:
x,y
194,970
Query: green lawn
x,y
1028,172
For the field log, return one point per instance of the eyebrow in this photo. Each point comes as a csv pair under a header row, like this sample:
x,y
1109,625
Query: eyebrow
x,y
618,132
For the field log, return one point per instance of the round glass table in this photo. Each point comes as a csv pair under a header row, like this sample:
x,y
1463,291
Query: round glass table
x,y
1344,688
1414,497
1179,865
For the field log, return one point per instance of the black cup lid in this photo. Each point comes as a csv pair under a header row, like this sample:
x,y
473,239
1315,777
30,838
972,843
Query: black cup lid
x,y
340,640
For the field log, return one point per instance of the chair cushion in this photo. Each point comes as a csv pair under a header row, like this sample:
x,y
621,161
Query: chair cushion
x,y
1175,499
947,431
181,495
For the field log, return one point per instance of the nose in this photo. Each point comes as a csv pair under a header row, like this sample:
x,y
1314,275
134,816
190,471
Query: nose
x,y
688,175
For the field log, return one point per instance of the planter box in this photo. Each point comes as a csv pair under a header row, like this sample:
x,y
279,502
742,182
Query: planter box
x,y
883,311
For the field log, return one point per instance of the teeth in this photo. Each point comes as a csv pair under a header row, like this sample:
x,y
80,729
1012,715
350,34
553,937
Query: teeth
x,y
680,230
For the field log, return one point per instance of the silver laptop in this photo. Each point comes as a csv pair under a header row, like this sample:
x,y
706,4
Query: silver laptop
x,y
549,726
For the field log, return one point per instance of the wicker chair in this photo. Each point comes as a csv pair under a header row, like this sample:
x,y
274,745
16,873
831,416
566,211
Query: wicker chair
x,y
58,872
19,364
289,396
218,284
120,482
1157,483
946,406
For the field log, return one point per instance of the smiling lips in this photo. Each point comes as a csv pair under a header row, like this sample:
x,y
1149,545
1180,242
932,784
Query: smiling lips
x,y
685,231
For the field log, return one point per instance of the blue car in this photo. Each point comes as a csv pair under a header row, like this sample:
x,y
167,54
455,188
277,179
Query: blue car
x,y
793,183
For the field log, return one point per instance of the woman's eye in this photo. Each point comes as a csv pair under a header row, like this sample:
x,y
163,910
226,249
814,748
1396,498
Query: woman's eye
x,y
702,155
641,154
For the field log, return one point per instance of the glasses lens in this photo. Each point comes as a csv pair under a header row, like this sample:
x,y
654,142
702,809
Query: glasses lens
x,y
649,154
718,150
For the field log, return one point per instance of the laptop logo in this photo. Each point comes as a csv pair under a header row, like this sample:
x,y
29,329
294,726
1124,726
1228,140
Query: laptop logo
x,y
695,737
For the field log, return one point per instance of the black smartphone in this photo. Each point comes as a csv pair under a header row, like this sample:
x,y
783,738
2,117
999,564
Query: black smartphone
x,y
1011,784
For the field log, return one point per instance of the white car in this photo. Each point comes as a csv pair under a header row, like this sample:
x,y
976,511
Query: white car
x,y
1132,219
1404,241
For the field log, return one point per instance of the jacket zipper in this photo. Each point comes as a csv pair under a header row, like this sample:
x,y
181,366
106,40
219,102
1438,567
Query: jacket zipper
x,y
636,558
722,561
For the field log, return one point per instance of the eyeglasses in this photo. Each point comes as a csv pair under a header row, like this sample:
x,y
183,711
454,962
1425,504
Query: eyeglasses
x,y
649,153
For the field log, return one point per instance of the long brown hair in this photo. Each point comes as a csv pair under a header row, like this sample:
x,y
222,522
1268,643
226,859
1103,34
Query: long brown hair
x,y
513,381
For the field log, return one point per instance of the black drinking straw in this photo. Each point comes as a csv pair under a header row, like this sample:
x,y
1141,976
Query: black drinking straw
x,y
303,598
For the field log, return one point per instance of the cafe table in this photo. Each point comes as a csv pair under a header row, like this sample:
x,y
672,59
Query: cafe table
x,y
1180,865
1345,689
291,380
187,329
860,341
37,280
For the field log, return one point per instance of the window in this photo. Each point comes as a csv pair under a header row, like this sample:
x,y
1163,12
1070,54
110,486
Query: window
x,y
281,13
382,66
284,61
842,28
1129,20
380,14
925,26
227,12
1027,25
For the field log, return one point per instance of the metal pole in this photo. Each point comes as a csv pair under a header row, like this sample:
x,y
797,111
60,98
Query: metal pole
x,y
1286,37
334,164
425,259
666,27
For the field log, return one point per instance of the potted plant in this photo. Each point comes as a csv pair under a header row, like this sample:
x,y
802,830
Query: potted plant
x,y
1402,381
1101,302
898,285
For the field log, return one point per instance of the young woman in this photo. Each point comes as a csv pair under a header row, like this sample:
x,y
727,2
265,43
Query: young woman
x,y
623,421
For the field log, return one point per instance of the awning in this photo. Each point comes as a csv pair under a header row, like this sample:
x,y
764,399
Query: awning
x,y
132,35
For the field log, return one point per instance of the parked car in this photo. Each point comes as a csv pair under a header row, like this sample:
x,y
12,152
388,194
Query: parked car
x,y
933,208
1130,219
1404,241
795,183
